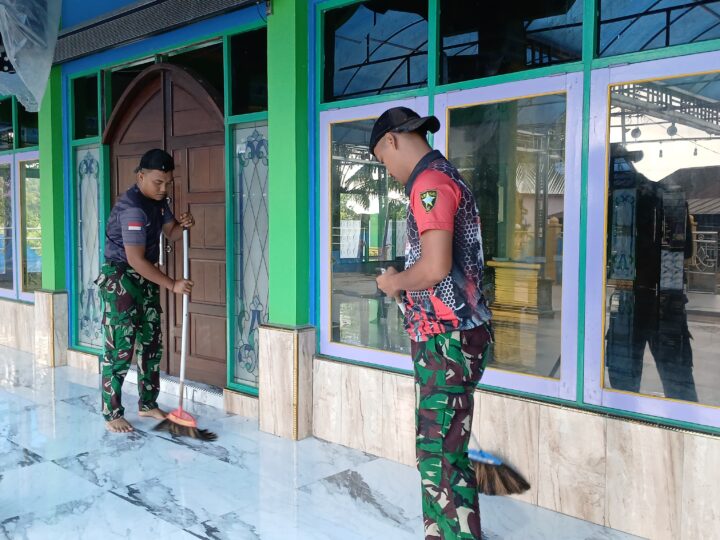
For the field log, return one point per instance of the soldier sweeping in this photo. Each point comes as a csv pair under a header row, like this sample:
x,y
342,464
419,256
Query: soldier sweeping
x,y
129,284
446,316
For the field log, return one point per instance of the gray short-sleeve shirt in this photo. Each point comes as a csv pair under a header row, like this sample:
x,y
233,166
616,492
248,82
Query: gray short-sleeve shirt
x,y
136,220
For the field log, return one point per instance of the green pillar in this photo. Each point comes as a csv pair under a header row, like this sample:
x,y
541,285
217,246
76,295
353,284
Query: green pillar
x,y
52,203
289,235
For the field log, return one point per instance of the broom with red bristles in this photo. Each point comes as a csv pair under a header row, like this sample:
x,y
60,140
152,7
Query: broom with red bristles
x,y
179,422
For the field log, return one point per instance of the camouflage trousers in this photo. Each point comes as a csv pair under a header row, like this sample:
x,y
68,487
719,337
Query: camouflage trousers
x,y
131,317
447,370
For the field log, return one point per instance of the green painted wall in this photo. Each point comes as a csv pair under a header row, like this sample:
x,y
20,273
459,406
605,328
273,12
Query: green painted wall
x,y
289,236
52,204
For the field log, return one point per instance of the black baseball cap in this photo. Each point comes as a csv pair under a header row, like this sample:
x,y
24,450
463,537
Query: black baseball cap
x,y
401,120
156,160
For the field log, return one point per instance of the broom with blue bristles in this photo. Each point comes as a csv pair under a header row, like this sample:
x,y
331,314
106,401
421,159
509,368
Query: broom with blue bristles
x,y
493,476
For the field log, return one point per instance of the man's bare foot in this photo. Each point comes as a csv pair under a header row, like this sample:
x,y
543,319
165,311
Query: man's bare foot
x,y
119,425
154,413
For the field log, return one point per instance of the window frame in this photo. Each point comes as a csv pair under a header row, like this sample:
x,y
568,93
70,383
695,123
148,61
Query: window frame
x,y
327,346
571,85
20,196
14,160
595,392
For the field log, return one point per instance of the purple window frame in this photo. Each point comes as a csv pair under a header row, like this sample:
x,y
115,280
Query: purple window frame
x,y
572,86
594,391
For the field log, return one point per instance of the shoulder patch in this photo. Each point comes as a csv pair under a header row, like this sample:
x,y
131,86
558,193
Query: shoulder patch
x,y
428,199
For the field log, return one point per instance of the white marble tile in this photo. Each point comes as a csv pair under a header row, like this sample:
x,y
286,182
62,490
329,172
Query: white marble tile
x,y
191,496
362,499
701,488
508,428
13,456
398,440
504,518
361,408
327,400
103,515
61,430
644,468
140,457
39,487
571,476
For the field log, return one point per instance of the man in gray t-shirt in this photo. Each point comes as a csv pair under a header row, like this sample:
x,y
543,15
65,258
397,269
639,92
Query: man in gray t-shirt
x,y
129,284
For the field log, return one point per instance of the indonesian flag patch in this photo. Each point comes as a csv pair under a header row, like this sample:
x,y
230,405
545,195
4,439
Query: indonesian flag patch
x,y
428,199
135,226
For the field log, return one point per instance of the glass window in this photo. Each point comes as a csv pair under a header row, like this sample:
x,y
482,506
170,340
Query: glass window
x,y
662,303
87,178
206,63
512,156
650,24
368,233
248,64
7,134
28,127
85,102
375,47
30,225
480,39
6,228
251,246
120,79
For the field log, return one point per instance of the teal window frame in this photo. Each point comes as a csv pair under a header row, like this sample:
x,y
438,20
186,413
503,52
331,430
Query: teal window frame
x,y
586,66
103,72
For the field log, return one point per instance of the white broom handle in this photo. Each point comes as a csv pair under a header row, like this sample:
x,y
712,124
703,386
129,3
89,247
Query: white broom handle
x,y
186,298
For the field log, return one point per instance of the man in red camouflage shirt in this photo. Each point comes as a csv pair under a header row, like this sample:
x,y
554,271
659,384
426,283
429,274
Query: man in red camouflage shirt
x,y
446,316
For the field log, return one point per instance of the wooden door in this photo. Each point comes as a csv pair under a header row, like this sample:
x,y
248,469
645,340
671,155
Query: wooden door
x,y
166,107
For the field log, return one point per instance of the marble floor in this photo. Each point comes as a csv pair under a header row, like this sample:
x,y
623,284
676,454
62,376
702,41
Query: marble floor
x,y
62,475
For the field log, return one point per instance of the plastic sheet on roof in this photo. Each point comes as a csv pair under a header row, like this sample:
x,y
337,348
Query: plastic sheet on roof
x,y
29,31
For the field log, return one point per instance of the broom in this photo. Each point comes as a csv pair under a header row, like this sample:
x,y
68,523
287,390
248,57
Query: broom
x,y
179,422
493,476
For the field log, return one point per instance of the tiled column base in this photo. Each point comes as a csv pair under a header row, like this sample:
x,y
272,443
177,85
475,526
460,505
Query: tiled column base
x,y
51,328
286,388
240,404
17,325
82,360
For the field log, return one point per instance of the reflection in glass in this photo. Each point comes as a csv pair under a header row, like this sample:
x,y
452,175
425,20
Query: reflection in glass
x,y
375,47
27,126
508,36
251,246
87,178
85,103
512,155
206,64
663,279
368,233
6,228
30,225
7,134
248,70
121,78
641,25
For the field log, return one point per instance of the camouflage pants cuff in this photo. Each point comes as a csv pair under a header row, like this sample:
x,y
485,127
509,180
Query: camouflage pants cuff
x,y
145,407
